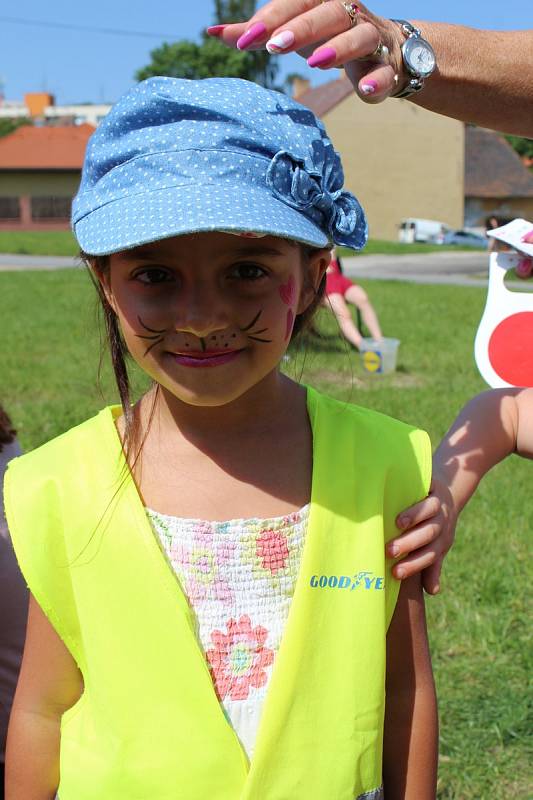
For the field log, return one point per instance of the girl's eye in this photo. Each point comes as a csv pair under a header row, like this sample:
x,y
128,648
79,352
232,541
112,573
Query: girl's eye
x,y
248,272
152,275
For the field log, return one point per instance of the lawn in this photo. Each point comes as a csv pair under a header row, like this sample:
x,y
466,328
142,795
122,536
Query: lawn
x,y
479,624
62,243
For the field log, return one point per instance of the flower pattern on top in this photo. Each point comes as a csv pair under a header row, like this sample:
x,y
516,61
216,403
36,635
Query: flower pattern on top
x,y
201,561
239,577
313,185
239,658
272,550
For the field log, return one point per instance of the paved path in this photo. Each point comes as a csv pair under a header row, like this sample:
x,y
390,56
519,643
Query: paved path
x,y
16,263
457,269
464,269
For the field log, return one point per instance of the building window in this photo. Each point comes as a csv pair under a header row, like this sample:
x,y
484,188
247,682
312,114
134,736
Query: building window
x,y
9,208
50,207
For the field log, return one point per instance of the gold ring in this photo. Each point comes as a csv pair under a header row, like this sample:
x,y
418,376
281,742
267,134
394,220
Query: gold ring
x,y
380,53
352,9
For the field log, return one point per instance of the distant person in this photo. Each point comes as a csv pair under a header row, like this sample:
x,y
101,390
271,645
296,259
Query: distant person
x,y
13,600
342,292
491,224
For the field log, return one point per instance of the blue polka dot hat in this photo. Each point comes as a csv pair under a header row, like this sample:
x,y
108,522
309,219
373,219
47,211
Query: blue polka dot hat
x,y
221,154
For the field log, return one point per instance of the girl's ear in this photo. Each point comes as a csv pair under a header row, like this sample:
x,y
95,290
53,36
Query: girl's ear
x,y
104,280
315,266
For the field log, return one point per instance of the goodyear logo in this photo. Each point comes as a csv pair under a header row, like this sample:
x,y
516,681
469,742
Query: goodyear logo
x,y
372,361
361,580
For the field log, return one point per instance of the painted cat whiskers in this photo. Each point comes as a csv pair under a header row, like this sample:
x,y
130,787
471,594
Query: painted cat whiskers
x,y
156,336
253,334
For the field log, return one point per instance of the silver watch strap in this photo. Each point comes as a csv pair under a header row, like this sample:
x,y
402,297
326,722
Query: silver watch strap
x,y
414,84
407,27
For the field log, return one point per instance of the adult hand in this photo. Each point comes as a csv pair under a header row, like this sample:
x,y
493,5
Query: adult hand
x,y
323,33
525,267
428,533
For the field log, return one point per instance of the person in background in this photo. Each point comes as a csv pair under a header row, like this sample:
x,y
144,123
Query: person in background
x,y
491,224
341,292
479,76
13,600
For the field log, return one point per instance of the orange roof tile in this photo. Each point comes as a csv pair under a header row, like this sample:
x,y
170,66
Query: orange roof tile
x,y
321,99
47,147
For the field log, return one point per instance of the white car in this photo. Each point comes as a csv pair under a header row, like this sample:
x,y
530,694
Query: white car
x,y
422,230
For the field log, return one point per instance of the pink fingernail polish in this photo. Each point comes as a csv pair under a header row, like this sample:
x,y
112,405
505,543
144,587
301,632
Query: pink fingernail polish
x,y
394,550
326,55
214,30
280,41
524,268
255,32
369,86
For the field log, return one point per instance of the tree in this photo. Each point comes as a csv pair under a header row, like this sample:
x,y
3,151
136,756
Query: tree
x,y
265,66
211,58
8,125
186,59
524,147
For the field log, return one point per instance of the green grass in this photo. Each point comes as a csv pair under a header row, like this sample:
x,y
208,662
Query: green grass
x,y
62,243
38,243
479,624
383,247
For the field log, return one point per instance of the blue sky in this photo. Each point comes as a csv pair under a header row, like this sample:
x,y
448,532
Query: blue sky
x,y
93,67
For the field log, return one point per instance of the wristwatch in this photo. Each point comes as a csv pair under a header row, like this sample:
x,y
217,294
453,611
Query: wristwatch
x,y
418,57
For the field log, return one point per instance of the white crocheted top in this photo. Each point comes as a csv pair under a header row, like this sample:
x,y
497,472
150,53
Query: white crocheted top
x,y
239,578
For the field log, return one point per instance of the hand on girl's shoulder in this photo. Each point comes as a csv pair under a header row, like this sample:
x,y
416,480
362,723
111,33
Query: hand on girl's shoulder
x,y
428,531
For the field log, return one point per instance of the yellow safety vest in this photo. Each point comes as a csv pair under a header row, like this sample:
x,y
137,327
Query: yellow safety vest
x,y
149,725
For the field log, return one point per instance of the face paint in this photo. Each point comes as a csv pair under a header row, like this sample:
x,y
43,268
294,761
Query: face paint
x,y
290,323
155,336
253,334
287,292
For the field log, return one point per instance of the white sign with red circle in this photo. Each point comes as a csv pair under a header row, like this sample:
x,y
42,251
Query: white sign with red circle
x,y
503,347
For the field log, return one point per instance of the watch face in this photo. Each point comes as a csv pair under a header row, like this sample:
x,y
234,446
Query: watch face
x,y
419,57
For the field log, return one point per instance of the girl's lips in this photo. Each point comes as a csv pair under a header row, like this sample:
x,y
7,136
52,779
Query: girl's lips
x,y
208,358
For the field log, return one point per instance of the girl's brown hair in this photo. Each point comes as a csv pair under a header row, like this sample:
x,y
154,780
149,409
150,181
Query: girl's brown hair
x,y
7,431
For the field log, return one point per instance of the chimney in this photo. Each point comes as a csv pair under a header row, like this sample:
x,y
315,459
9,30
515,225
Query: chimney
x,y
299,86
36,102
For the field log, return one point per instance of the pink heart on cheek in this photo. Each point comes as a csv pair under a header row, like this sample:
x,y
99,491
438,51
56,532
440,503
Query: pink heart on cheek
x,y
290,323
287,292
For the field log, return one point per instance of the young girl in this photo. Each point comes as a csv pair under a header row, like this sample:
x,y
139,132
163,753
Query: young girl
x,y
212,613
340,291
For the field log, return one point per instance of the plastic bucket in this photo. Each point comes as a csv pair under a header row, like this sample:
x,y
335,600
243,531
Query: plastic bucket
x,y
379,357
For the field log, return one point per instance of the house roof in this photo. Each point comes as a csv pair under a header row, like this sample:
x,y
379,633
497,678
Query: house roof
x,y
321,99
47,147
493,168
